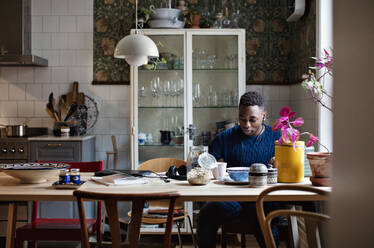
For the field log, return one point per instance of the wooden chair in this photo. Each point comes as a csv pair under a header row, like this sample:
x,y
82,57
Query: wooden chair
x,y
311,219
162,165
60,229
138,201
114,153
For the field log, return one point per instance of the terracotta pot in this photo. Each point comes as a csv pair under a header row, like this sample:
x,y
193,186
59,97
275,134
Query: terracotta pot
x,y
195,21
320,163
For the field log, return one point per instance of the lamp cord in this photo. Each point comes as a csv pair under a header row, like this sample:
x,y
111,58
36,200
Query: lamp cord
x,y
136,16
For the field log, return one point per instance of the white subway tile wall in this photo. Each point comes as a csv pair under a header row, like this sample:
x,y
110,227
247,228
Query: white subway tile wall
x,y
62,32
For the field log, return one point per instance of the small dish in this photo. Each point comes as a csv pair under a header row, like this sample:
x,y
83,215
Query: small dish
x,y
238,173
228,180
58,185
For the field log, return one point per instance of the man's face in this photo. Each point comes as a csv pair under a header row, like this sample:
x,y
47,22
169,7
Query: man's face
x,y
250,119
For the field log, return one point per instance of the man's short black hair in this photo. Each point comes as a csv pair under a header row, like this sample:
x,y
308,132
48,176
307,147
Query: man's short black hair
x,y
252,98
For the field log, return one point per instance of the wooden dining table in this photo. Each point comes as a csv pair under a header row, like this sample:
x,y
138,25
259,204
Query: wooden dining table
x,y
13,192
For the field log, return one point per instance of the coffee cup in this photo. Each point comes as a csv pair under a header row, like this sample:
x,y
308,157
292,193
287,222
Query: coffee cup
x,y
220,170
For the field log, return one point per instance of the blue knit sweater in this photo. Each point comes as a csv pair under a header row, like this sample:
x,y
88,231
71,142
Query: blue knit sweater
x,y
238,149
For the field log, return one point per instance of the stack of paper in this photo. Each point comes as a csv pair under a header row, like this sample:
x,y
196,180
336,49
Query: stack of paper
x,y
118,179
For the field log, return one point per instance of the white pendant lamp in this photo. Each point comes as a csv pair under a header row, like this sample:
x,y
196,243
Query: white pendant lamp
x,y
136,48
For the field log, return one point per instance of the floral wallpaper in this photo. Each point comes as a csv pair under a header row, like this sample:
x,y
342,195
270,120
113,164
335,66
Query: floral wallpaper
x,y
278,52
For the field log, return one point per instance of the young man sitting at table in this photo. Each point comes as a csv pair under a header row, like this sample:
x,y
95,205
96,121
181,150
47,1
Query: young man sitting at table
x,y
251,142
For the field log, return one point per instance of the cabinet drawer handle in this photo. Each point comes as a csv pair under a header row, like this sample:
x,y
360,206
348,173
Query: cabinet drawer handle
x,y
54,145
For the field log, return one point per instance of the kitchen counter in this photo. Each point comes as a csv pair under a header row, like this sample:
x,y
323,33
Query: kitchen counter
x,y
55,138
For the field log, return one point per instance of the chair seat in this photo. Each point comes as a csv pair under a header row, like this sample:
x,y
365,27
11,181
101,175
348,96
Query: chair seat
x,y
158,220
55,224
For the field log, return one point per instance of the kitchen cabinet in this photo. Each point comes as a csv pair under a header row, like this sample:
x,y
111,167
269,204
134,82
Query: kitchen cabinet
x,y
199,86
61,149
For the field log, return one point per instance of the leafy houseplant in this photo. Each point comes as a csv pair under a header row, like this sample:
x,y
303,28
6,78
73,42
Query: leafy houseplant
x,y
316,86
289,151
320,162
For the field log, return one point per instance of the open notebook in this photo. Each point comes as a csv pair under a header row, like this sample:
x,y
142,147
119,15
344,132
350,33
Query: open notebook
x,y
118,179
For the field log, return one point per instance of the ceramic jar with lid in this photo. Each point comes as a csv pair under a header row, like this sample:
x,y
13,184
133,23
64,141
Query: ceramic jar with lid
x,y
258,175
272,175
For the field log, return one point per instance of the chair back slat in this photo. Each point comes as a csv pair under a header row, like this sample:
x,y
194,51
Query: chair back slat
x,y
311,218
138,201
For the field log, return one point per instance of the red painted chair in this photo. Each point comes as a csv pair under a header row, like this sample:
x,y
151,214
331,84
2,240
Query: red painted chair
x,y
60,229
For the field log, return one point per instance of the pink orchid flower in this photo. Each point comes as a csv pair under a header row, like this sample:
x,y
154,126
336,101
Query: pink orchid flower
x,y
312,139
286,112
286,127
298,122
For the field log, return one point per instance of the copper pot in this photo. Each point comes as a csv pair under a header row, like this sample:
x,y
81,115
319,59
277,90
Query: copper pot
x,y
2,131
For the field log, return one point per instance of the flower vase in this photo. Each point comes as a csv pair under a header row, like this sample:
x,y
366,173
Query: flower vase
x,y
195,19
320,164
290,162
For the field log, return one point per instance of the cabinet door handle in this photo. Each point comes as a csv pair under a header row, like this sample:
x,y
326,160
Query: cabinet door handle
x,y
54,145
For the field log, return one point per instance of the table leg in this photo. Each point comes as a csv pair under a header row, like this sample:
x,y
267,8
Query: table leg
x,y
11,227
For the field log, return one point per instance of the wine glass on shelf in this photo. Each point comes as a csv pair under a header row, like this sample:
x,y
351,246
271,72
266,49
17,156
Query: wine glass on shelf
x,y
153,87
180,92
196,94
166,91
210,96
142,95
174,93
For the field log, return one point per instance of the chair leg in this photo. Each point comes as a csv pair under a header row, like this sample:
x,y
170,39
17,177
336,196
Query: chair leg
x,y
223,239
242,240
179,234
19,243
192,234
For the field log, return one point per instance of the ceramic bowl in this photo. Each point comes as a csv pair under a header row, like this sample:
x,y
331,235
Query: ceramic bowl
x,y
33,172
164,13
165,23
238,173
178,140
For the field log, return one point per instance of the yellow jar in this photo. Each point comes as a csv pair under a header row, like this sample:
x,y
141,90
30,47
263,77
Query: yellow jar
x,y
290,163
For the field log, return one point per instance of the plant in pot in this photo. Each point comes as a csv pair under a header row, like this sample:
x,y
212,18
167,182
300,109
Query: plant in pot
x,y
193,16
289,150
320,162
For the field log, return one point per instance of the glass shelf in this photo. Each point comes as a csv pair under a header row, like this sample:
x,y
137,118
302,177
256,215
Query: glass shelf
x,y
217,69
181,70
160,70
159,107
172,107
161,145
214,107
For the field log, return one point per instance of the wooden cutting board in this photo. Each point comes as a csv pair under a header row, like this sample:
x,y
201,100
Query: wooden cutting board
x,y
74,96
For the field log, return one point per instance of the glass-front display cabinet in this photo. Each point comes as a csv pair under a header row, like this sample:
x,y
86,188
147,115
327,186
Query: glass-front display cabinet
x,y
189,94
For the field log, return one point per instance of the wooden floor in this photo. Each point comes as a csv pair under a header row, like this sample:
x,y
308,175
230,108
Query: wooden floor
x,y
232,242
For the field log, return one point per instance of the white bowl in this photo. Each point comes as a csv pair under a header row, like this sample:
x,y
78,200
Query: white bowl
x,y
33,172
33,176
164,13
165,23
